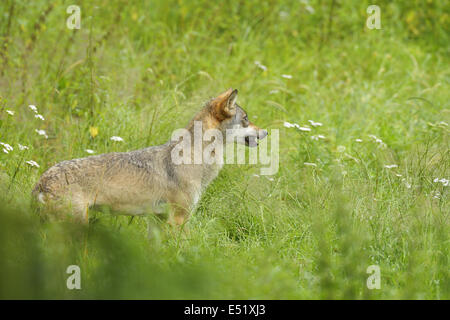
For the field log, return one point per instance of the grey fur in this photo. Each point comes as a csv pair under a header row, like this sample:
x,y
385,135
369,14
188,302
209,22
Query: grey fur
x,y
137,182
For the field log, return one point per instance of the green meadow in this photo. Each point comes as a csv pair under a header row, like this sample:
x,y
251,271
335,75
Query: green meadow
x,y
367,187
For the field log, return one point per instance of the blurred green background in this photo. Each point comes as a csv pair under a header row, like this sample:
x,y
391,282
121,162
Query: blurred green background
x,y
141,69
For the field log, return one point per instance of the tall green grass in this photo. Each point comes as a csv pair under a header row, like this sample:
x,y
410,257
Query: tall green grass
x,y
141,70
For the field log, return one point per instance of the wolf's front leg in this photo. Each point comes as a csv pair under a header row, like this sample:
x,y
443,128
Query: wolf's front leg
x,y
179,217
153,229
180,208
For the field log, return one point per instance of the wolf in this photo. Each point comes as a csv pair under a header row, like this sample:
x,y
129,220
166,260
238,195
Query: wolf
x,y
143,181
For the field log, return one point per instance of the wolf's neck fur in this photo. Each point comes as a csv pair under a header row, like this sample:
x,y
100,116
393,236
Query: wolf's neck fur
x,y
204,172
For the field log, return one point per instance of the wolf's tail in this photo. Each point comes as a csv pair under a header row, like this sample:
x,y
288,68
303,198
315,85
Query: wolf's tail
x,y
38,192
39,201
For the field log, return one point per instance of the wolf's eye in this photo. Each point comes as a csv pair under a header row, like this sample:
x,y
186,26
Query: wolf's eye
x,y
245,121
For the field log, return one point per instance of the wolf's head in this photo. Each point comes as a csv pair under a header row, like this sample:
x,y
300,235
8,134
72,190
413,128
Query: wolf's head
x,y
231,118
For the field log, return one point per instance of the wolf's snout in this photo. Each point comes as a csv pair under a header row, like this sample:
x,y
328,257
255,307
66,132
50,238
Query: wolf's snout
x,y
262,134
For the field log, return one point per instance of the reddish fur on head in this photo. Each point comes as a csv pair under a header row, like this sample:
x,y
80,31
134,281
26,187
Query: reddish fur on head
x,y
223,105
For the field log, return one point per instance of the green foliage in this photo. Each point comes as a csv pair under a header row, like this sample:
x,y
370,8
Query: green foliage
x,y
140,70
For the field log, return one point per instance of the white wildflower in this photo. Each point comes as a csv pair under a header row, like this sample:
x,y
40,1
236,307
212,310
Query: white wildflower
x,y
261,66
22,147
116,138
90,151
33,108
390,166
6,147
379,141
11,113
318,137
32,163
289,125
286,76
444,181
358,140
315,124
302,128
39,116
42,133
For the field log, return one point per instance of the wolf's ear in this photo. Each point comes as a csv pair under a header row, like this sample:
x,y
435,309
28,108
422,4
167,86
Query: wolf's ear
x,y
230,106
224,105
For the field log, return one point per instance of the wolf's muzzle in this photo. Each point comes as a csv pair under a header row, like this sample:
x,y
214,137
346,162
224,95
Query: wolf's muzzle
x,y
253,140
262,134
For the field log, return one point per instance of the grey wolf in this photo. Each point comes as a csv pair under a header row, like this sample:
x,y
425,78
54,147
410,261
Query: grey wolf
x,y
141,181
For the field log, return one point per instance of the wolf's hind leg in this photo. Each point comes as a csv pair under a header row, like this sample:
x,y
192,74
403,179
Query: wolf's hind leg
x,y
74,205
78,204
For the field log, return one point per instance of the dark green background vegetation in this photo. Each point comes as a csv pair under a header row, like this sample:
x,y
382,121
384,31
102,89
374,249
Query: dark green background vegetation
x,y
141,69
